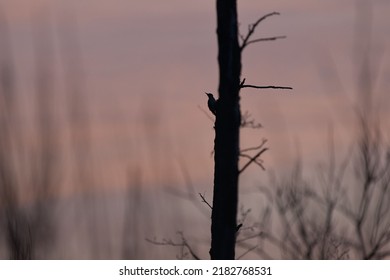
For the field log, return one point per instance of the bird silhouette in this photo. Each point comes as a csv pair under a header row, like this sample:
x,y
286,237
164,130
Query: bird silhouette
x,y
211,103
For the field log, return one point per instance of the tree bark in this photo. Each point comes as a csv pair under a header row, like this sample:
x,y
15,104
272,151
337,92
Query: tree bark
x,y
227,125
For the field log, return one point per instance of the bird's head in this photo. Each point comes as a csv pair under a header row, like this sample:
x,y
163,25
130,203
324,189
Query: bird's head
x,y
209,95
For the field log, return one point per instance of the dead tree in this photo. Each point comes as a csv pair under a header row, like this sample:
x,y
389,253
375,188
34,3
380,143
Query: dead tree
x,y
227,127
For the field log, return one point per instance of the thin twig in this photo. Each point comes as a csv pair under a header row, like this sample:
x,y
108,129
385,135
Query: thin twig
x,y
190,195
265,87
252,28
169,242
253,159
205,201
247,122
247,251
259,163
263,141
265,39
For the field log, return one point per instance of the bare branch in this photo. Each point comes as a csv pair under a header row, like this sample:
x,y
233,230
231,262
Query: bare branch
x,y
246,121
265,87
190,194
205,201
247,251
265,39
253,159
259,163
251,29
169,242
242,83
263,141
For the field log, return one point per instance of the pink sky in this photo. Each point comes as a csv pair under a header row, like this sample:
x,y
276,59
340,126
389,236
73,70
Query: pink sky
x,y
147,64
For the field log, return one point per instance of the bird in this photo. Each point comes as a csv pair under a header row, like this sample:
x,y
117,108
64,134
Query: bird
x,y
212,103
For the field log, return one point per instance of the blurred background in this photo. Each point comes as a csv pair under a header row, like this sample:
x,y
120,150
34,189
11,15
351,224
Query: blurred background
x,y
106,143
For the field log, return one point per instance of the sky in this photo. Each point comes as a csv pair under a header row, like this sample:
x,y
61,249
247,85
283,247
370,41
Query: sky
x,y
145,65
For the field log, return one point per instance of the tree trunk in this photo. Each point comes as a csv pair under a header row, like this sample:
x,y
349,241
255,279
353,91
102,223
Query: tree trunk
x,y
227,125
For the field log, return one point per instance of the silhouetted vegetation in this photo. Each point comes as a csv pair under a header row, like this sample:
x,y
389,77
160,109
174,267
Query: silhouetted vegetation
x,y
343,213
29,156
